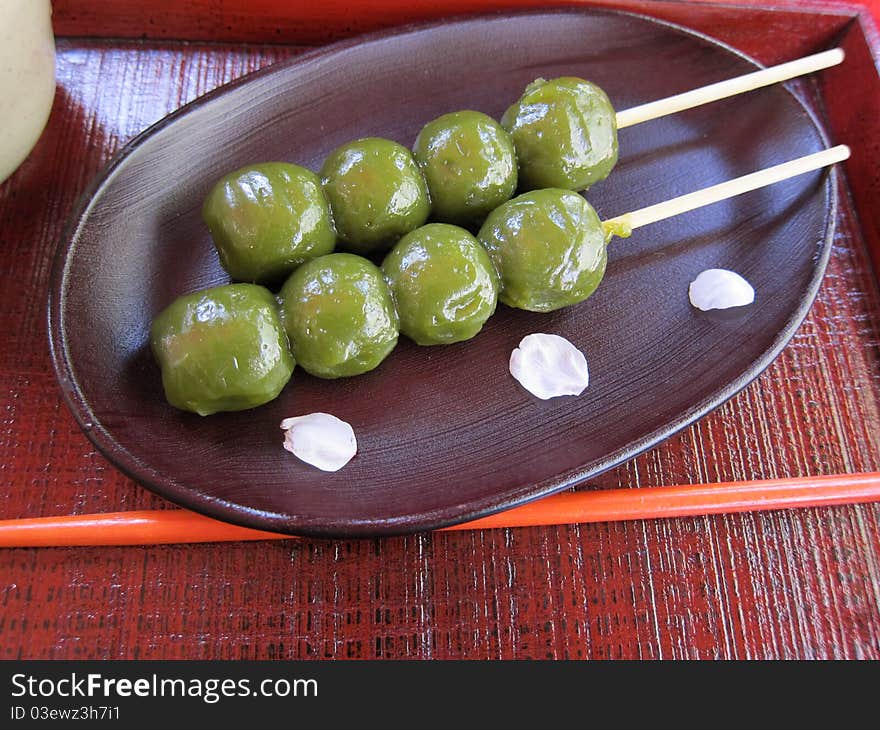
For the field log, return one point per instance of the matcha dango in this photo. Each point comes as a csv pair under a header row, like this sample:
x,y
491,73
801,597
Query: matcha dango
x,y
565,134
549,248
376,192
339,315
267,219
443,283
469,164
222,349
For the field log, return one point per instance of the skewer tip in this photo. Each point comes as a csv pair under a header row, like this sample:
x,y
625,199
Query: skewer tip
x,y
823,59
838,153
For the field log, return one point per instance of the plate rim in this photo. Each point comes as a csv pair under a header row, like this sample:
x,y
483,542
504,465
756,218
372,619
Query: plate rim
x,y
293,524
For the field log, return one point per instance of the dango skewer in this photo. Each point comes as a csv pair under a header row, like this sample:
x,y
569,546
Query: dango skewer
x,y
560,133
269,219
550,248
565,130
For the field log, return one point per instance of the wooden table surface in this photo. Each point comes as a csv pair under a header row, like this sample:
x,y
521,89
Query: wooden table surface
x,y
792,584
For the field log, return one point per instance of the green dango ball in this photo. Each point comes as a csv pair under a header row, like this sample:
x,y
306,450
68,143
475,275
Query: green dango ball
x,y
339,315
376,192
565,134
443,282
549,248
267,219
469,164
222,349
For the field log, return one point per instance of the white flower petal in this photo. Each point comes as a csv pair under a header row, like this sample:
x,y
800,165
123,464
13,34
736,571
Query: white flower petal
x,y
720,289
549,366
319,439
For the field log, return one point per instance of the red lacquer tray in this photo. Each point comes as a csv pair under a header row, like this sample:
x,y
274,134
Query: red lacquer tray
x,y
787,584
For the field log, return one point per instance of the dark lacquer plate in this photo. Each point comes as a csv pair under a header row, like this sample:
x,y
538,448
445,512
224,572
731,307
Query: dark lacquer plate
x,y
445,434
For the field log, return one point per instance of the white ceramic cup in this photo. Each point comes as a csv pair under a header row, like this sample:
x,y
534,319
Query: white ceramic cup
x,y
27,78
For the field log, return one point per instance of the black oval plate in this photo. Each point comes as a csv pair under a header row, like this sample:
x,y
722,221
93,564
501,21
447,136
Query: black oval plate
x,y
445,433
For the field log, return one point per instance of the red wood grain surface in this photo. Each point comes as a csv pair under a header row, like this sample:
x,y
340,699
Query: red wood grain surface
x,y
282,21
794,584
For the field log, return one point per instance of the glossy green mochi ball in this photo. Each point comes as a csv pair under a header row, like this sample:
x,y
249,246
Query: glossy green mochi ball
x,y
267,219
443,283
565,134
339,315
469,164
222,349
377,193
548,247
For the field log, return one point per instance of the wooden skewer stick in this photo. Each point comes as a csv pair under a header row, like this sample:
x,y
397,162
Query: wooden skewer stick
x,y
729,189
731,87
